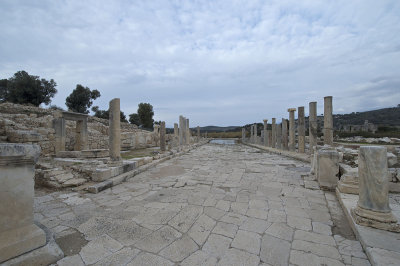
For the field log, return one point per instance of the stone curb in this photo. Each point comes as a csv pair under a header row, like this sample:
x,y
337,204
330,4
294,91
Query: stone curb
x,y
96,188
301,157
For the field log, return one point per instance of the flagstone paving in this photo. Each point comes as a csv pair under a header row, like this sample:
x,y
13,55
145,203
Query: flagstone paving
x,y
216,205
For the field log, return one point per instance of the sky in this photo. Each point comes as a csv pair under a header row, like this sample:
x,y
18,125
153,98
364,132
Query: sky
x,y
215,62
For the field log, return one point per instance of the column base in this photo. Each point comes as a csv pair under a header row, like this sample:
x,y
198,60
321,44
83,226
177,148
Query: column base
x,y
348,187
21,240
380,220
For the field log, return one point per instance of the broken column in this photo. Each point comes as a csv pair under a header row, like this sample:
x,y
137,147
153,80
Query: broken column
x,y
265,132
273,133
187,132
279,136
313,126
18,233
115,130
301,129
292,137
181,130
284,134
328,121
373,204
327,168
162,136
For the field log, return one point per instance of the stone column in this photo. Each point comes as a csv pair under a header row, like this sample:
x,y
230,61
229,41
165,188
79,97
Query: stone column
x,y
175,141
284,134
162,136
181,130
243,134
18,233
301,129
115,130
81,135
328,121
255,133
373,204
279,136
273,143
251,133
265,132
187,132
313,125
198,132
59,127
292,136
269,133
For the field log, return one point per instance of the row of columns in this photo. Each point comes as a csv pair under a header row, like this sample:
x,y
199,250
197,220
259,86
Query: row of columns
x,y
283,135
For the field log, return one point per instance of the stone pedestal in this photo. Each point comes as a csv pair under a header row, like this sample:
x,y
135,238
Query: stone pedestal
x,y
328,168
313,125
373,204
115,130
292,136
18,233
328,121
273,143
265,132
162,136
284,134
301,129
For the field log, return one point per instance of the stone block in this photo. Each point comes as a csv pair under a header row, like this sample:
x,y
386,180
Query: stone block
x,y
328,168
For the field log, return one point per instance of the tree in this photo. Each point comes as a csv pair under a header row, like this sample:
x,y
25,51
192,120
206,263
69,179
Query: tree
x,y
134,119
23,88
145,113
105,114
81,99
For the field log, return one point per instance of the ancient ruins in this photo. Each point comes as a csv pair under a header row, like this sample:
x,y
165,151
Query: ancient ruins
x,y
79,190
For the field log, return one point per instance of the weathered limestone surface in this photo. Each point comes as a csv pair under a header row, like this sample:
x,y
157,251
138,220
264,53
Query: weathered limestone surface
x,y
115,130
18,233
279,136
313,125
328,121
226,204
273,144
187,132
252,134
292,136
373,203
284,134
162,136
182,130
301,129
255,133
328,168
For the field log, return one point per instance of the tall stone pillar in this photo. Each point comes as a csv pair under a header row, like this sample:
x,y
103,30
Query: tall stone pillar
x,y
243,134
59,127
162,136
18,233
181,130
301,129
279,136
255,133
313,125
328,121
115,130
269,133
284,134
373,204
176,130
292,136
251,134
198,132
273,144
265,132
187,132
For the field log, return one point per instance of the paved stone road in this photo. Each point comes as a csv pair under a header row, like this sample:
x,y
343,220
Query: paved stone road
x,y
217,205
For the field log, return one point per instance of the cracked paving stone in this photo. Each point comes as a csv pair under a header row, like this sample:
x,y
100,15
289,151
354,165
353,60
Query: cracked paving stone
x,y
180,249
99,248
247,241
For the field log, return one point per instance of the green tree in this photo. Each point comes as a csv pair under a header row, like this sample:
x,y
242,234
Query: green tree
x,y
81,99
146,113
23,88
105,114
134,119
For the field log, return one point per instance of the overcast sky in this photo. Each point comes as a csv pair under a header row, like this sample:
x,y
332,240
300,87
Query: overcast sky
x,y
215,62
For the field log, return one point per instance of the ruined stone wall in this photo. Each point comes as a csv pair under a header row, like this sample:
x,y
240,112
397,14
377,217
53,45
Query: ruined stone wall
x,y
30,124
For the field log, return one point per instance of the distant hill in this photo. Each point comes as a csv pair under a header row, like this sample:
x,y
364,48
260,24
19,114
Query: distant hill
x,y
217,129
385,116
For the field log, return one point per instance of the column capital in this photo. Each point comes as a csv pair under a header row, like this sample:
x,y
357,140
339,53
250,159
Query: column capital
x,y
291,109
